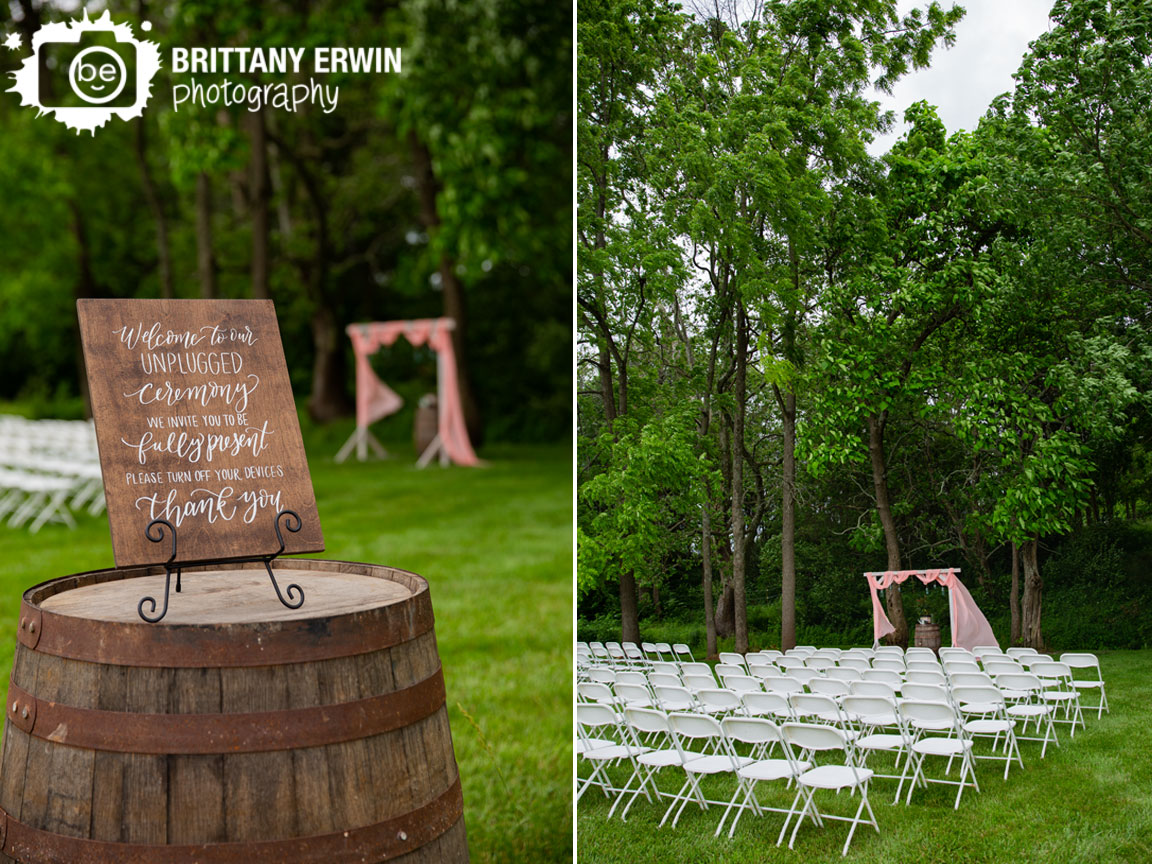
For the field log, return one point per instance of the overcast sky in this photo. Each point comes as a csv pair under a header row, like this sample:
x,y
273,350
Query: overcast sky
x,y
964,79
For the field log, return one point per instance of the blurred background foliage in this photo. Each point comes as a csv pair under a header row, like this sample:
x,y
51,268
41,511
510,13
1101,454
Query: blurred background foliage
x,y
443,190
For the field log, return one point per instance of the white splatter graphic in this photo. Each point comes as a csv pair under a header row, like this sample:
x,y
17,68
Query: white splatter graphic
x,y
88,119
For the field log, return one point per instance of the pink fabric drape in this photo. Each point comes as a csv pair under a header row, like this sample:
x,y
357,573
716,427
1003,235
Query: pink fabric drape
x,y
969,626
437,333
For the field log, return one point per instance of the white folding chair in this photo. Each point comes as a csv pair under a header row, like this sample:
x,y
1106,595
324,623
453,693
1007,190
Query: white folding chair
x,y
762,735
696,683
598,749
714,757
653,725
855,662
984,715
742,684
939,717
731,658
717,700
673,698
844,673
783,684
1020,652
880,727
807,740
1081,660
829,687
635,695
873,688
1060,691
681,650
772,705
1022,693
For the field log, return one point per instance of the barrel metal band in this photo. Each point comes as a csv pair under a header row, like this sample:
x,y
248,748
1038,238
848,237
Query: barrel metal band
x,y
253,732
226,645
380,842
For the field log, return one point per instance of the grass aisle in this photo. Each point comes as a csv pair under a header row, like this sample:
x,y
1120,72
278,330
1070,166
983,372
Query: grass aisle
x,y
1088,802
495,544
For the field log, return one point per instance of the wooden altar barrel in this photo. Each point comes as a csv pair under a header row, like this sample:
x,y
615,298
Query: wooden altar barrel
x,y
235,729
927,636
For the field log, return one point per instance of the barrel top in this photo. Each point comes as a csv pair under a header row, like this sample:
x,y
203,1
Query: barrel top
x,y
230,596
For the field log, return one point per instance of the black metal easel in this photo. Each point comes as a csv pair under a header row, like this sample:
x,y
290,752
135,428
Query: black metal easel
x,y
169,565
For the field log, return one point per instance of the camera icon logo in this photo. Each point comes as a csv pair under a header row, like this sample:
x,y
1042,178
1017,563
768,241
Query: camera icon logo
x,y
85,72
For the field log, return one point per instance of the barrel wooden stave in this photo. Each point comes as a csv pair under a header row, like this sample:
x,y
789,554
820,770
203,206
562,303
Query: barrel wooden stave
x,y
235,798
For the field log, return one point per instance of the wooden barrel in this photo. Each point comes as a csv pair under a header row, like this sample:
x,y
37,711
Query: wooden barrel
x,y
236,729
927,636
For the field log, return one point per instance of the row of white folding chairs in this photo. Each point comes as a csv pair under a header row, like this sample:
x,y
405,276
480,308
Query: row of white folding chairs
x,y
702,746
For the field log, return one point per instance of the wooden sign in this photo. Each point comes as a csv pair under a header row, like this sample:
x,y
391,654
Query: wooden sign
x,y
195,423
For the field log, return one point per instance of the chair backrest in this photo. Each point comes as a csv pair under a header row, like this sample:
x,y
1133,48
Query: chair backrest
x,y
819,663
873,710
648,721
699,682
742,683
802,650
884,650
723,669
815,705
681,648
766,704
924,692
592,715
790,662
854,661
732,658
978,694
803,675
1002,666
674,698
811,736
920,654
663,648
783,684
981,650
872,688
1021,652
631,678
602,676
660,679
931,716
923,676
892,679
1052,669
769,653
632,651
894,664
1081,660
692,668
761,669
1028,660
718,697
972,679
633,694
843,673
1023,681
829,687
956,654
648,647
751,730
666,668
917,665
594,691
695,726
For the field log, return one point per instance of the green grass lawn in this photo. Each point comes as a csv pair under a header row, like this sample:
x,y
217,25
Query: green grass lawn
x,y
1089,800
495,543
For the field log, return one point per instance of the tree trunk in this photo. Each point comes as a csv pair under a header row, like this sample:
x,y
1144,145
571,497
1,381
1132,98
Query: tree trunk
x,y
451,289
788,527
205,256
156,207
1030,624
706,552
739,386
725,613
1014,596
258,203
629,617
892,599
328,399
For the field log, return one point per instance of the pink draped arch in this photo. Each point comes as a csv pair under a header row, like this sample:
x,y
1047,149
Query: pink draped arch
x,y
375,399
969,626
